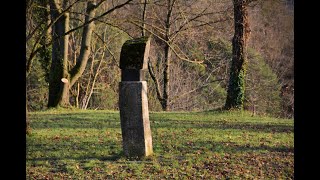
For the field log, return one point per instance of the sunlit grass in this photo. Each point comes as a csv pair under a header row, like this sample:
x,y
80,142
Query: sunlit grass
x,y
87,145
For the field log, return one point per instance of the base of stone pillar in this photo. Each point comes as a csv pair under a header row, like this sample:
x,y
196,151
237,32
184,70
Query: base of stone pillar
x,y
134,115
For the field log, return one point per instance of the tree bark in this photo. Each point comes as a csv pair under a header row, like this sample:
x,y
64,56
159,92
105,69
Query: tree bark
x,y
58,90
93,82
78,69
167,59
166,78
236,87
45,51
144,14
155,80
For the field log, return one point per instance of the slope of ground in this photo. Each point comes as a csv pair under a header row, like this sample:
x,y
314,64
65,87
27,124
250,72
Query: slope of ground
x,y
78,144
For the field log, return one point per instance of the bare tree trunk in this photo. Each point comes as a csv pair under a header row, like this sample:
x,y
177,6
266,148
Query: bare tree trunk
x,y
64,99
236,88
155,80
45,51
76,94
78,69
166,78
58,90
86,98
144,14
167,59
94,79
93,75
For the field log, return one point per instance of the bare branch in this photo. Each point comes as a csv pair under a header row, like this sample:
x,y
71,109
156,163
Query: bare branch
x,y
155,80
105,46
78,69
193,90
169,44
99,17
34,51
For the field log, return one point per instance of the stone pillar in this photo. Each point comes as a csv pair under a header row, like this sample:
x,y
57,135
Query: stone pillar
x,y
133,100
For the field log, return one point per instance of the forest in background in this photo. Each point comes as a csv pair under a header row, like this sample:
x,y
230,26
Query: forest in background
x,y
195,34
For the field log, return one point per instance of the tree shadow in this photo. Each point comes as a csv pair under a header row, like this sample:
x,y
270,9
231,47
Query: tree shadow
x,y
105,120
113,157
73,121
247,126
62,151
231,147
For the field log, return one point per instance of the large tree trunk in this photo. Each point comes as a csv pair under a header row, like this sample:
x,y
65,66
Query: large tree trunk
x,y
236,88
58,90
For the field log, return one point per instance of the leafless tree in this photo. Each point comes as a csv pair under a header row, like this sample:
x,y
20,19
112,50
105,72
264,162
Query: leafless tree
x,y
60,23
170,20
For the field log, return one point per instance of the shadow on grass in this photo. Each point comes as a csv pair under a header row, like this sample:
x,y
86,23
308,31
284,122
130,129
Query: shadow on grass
x,y
62,150
83,123
113,157
76,122
168,123
231,147
111,151
112,120
110,157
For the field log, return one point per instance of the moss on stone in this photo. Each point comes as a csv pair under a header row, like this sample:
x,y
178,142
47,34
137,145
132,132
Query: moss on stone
x,y
132,53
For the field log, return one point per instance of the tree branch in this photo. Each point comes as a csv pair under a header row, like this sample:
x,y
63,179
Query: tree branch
x,y
169,44
34,51
193,90
99,17
78,69
155,80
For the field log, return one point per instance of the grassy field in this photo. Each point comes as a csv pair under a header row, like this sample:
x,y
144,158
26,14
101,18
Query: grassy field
x,y
78,144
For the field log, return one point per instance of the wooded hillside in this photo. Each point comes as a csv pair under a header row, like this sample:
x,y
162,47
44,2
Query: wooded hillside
x,y
190,56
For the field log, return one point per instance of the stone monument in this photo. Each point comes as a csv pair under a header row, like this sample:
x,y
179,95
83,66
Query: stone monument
x,y
133,100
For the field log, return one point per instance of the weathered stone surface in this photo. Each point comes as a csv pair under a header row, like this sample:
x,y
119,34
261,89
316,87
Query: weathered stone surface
x,y
133,74
135,53
134,115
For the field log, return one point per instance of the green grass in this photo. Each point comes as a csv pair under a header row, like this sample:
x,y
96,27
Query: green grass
x,y
78,144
